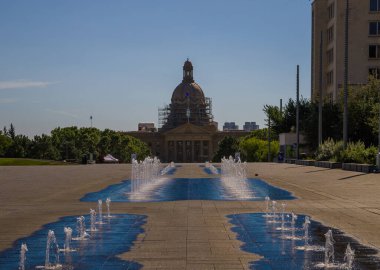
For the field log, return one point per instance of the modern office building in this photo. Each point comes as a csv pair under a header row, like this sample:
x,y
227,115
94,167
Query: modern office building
x,y
328,43
228,126
250,126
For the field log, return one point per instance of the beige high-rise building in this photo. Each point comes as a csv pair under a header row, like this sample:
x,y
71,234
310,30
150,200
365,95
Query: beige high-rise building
x,y
328,24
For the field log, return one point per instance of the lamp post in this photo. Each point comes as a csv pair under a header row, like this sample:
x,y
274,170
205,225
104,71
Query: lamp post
x,y
298,113
320,105
345,94
269,154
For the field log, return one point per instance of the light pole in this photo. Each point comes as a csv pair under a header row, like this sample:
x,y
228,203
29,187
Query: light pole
x,y
320,138
91,120
298,113
269,154
345,97
378,153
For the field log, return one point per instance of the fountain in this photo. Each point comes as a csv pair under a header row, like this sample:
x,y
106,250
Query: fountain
x,y
349,257
100,211
233,169
329,248
23,251
211,167
273,216
81,228
146,172
108,203
51,245
307,246
234,178
267,202
68,236
306,226
283,205
168,168
93,220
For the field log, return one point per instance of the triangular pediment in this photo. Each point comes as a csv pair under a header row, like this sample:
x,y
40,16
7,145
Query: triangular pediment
x,y
191,129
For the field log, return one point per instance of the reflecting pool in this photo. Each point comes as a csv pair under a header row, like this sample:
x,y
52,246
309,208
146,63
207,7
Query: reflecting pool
x,y
280,250
97,251
172,189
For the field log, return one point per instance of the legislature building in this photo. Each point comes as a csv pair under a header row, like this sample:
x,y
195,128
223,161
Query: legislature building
x,y
188,132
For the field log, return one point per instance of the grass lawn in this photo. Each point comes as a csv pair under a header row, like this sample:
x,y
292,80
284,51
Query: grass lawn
x,y
28,162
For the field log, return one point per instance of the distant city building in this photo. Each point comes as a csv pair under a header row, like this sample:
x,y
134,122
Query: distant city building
x,y
147,127
187,131
249,126
230,126
328,24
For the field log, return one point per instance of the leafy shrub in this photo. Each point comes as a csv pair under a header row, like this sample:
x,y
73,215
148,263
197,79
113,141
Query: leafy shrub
x,y
356,152
329,150
255,150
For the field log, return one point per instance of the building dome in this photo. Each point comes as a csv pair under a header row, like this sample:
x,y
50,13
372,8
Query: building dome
x,y
188,92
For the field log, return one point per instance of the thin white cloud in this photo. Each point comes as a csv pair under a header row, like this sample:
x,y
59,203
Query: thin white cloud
x,y
64,113
23,84
7,100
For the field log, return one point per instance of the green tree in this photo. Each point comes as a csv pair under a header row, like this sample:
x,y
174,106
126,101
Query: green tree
x,y
5,143
256,150
42,148
228,146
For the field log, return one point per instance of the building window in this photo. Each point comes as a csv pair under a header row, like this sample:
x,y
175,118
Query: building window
x,y
375,72
330,34
374,5
374,28
331,11
330,77
374,51
330,56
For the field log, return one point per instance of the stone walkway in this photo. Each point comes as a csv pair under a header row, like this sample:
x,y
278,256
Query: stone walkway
x,y
187,234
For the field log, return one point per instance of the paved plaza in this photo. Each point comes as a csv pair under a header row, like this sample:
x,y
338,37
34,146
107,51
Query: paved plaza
x,y
188,234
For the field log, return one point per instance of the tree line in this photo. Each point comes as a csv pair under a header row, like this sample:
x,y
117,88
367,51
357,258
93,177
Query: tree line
x,y
72,144
363,116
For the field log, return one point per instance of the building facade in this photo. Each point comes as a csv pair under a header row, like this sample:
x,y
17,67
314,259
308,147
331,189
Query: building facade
x,y
228,126
250,126
188,132
328,41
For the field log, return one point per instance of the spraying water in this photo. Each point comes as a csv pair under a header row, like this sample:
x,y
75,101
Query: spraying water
x,y
267,202
349,257
100,211
293,224
92,220
283,205
306,226
68,236
212,168
146,172
81,229
108,203
329,248
51,247
23,251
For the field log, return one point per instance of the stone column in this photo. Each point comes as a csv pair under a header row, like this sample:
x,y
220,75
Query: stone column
x,y
192,151
183,151
175,151
201,151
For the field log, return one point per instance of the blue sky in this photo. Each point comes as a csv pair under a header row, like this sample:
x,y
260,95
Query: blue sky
x,y
119,60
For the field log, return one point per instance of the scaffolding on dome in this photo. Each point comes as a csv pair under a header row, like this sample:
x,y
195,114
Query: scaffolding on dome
x,y
165,111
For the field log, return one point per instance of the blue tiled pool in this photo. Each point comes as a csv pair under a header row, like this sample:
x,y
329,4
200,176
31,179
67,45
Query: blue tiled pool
x,y
192,189
263,238
99,252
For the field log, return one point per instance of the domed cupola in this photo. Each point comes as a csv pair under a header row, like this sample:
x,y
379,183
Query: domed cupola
x,y
188,72
188,103
188,91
